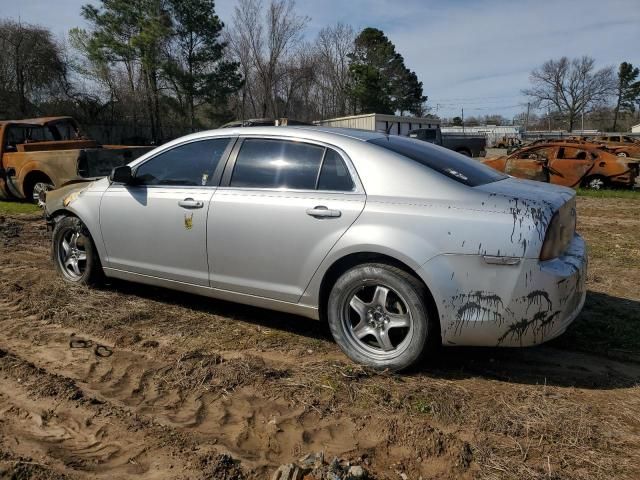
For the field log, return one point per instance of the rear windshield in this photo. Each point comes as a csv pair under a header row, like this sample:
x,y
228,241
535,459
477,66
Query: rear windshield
x,y
453,165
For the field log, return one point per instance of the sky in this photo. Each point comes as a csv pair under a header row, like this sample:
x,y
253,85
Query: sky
x,y
471,54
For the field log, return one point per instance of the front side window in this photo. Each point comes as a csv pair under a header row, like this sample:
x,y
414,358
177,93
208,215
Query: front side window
x,y
191,164
265,163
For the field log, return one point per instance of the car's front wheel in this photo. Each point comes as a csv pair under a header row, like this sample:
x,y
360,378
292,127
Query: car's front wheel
x,y
74,253
379,316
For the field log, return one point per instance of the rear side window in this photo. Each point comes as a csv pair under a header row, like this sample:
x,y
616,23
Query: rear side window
x,y
264,163
454,165
334,174
190,164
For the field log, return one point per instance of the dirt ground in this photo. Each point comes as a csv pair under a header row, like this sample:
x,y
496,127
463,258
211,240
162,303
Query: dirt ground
x,y
129,381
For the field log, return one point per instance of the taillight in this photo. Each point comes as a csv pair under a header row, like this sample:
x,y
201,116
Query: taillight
x,y
559,232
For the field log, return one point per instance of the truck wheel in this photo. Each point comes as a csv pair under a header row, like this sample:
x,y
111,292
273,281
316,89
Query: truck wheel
x,y
38,189
74,253
36,185
378,315
466,153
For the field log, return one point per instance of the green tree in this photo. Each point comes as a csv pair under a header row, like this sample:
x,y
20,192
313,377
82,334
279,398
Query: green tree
x,y
195,66
32,68
381,83
133,33
457,121
628,91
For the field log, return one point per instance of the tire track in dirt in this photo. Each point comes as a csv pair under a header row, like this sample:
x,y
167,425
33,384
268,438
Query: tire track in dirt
x,y
42,419
261,429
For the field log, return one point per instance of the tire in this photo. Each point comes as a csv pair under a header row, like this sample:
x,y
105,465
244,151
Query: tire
x,y
74,253
379,316
33,186
466,153
595,182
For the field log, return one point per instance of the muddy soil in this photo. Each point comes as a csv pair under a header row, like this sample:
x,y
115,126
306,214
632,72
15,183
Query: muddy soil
x,y
128,381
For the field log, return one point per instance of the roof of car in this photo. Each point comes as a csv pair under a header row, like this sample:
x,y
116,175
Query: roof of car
x,y
35,121
308,131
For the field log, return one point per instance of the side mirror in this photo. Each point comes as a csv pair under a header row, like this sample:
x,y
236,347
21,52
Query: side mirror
x,y
121,175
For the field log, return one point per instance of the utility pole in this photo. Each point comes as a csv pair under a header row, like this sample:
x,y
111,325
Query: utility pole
x,y
549,117
583,105
526,120
462,119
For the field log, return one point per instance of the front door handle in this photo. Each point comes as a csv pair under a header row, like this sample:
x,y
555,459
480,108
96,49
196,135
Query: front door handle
x,y
190,203
323,212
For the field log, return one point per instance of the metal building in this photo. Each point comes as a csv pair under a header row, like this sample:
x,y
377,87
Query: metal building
x,y
391,124
495,134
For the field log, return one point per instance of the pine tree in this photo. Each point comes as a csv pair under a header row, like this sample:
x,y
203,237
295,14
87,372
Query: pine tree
x,y
381,83
196,65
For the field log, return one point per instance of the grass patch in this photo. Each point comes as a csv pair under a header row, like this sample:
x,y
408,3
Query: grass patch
x,y
12,208
631,194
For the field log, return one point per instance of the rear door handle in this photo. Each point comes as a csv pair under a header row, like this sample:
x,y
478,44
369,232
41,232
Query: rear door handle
x,y
190,203
323,212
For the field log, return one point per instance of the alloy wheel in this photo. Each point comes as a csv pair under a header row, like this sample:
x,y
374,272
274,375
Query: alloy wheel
x,y
72,254
377,321
38,189
596,184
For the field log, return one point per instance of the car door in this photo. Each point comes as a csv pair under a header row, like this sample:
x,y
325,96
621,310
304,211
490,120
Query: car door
x,y
570,165
281,207
530,163
157,226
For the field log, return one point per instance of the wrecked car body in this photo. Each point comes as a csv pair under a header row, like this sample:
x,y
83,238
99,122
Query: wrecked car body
x,y
398,244
44,153
571,163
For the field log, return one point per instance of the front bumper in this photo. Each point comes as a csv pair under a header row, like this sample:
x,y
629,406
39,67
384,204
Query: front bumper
x,y
511,306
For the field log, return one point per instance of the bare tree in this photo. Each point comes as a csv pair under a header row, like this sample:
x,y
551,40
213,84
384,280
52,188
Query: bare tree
x,y
571,87
334,44
265,46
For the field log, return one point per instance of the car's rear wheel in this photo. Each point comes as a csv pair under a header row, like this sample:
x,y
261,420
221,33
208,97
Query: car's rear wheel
x,y
379,316
36,184
595,183
74,253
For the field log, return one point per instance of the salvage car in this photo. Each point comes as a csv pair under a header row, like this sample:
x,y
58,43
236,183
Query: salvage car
x,y
400,245
623,147
570,163
44,153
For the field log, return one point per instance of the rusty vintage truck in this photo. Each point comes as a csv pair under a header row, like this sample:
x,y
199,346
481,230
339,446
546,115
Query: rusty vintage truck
x,y
41,154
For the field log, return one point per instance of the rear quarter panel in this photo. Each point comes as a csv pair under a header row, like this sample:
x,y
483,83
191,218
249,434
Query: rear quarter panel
x,y
414,232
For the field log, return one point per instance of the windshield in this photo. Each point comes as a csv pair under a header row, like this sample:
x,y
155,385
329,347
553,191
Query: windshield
x,y
454,165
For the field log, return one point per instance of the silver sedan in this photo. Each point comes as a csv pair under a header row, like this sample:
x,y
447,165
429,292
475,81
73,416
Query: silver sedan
x,y
399,245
